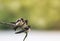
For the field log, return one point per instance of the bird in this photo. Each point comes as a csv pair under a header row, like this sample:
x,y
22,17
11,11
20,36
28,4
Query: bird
x,y
19,23
25,28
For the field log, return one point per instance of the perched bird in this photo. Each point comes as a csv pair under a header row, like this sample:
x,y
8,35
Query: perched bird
x,y
20,23
25,28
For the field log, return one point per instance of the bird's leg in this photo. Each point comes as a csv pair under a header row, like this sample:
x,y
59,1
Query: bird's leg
x,y
25,36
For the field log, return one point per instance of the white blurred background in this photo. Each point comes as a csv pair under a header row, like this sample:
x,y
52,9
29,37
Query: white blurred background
x,y
32,36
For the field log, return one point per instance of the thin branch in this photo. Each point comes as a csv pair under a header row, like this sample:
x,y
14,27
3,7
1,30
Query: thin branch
x,y
25,36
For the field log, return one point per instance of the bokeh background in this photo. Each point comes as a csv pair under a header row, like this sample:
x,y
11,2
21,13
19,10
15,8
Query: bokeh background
x,y
43,16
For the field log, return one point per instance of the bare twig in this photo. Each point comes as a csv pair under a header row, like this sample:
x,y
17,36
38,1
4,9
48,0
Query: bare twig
x,y
25,36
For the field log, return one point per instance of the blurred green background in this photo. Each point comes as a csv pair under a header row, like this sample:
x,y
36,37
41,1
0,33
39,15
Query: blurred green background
x,y
41,14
